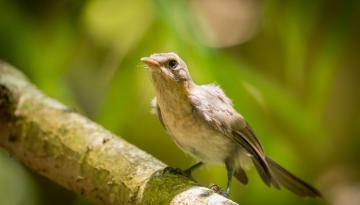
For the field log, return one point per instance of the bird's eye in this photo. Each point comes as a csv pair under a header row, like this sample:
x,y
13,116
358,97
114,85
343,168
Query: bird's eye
x,y
172,63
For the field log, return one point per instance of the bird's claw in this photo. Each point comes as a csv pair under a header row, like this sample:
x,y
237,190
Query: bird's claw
x,y
219,190
173,170
186,173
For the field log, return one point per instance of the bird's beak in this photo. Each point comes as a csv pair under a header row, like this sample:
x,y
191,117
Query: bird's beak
x,y
150,62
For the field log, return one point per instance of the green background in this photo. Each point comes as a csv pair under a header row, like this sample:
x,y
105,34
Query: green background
x,y
291,68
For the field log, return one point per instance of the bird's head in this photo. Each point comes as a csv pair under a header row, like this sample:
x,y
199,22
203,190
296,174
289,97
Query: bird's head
x,y
171,79
168,66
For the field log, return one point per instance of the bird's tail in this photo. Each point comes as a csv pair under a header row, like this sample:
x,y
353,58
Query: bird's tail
x,y
291,182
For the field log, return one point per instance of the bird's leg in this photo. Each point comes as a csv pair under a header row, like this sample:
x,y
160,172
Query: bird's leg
x,y
230,172
173,170
188,171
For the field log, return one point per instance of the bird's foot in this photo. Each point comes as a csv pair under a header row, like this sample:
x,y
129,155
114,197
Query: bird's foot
x,y
219,190
172,170
186,173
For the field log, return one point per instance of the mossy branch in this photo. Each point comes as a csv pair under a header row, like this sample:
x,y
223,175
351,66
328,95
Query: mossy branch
x,y
81,155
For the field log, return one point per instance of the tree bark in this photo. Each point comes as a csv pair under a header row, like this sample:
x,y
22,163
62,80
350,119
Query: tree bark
x,y
81,155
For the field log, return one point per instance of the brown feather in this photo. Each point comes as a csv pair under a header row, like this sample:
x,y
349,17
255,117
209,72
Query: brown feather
x,y
292,182
258,159
241,176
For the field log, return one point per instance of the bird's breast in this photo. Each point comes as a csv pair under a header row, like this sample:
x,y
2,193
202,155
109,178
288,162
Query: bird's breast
x,y
196,137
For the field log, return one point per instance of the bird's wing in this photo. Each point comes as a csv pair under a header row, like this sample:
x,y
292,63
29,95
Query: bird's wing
x,y
155,109
247,131
214,107
211,105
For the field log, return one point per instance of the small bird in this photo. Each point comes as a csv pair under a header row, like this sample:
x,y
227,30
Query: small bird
x,y
202,122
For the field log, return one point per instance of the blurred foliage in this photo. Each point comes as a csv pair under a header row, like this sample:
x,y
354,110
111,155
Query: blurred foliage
x,y
291,68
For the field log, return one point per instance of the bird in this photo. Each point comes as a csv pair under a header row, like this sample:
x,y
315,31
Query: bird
x,y
203,123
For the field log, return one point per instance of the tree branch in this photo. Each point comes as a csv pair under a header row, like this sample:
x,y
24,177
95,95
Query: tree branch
x,y
82,156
